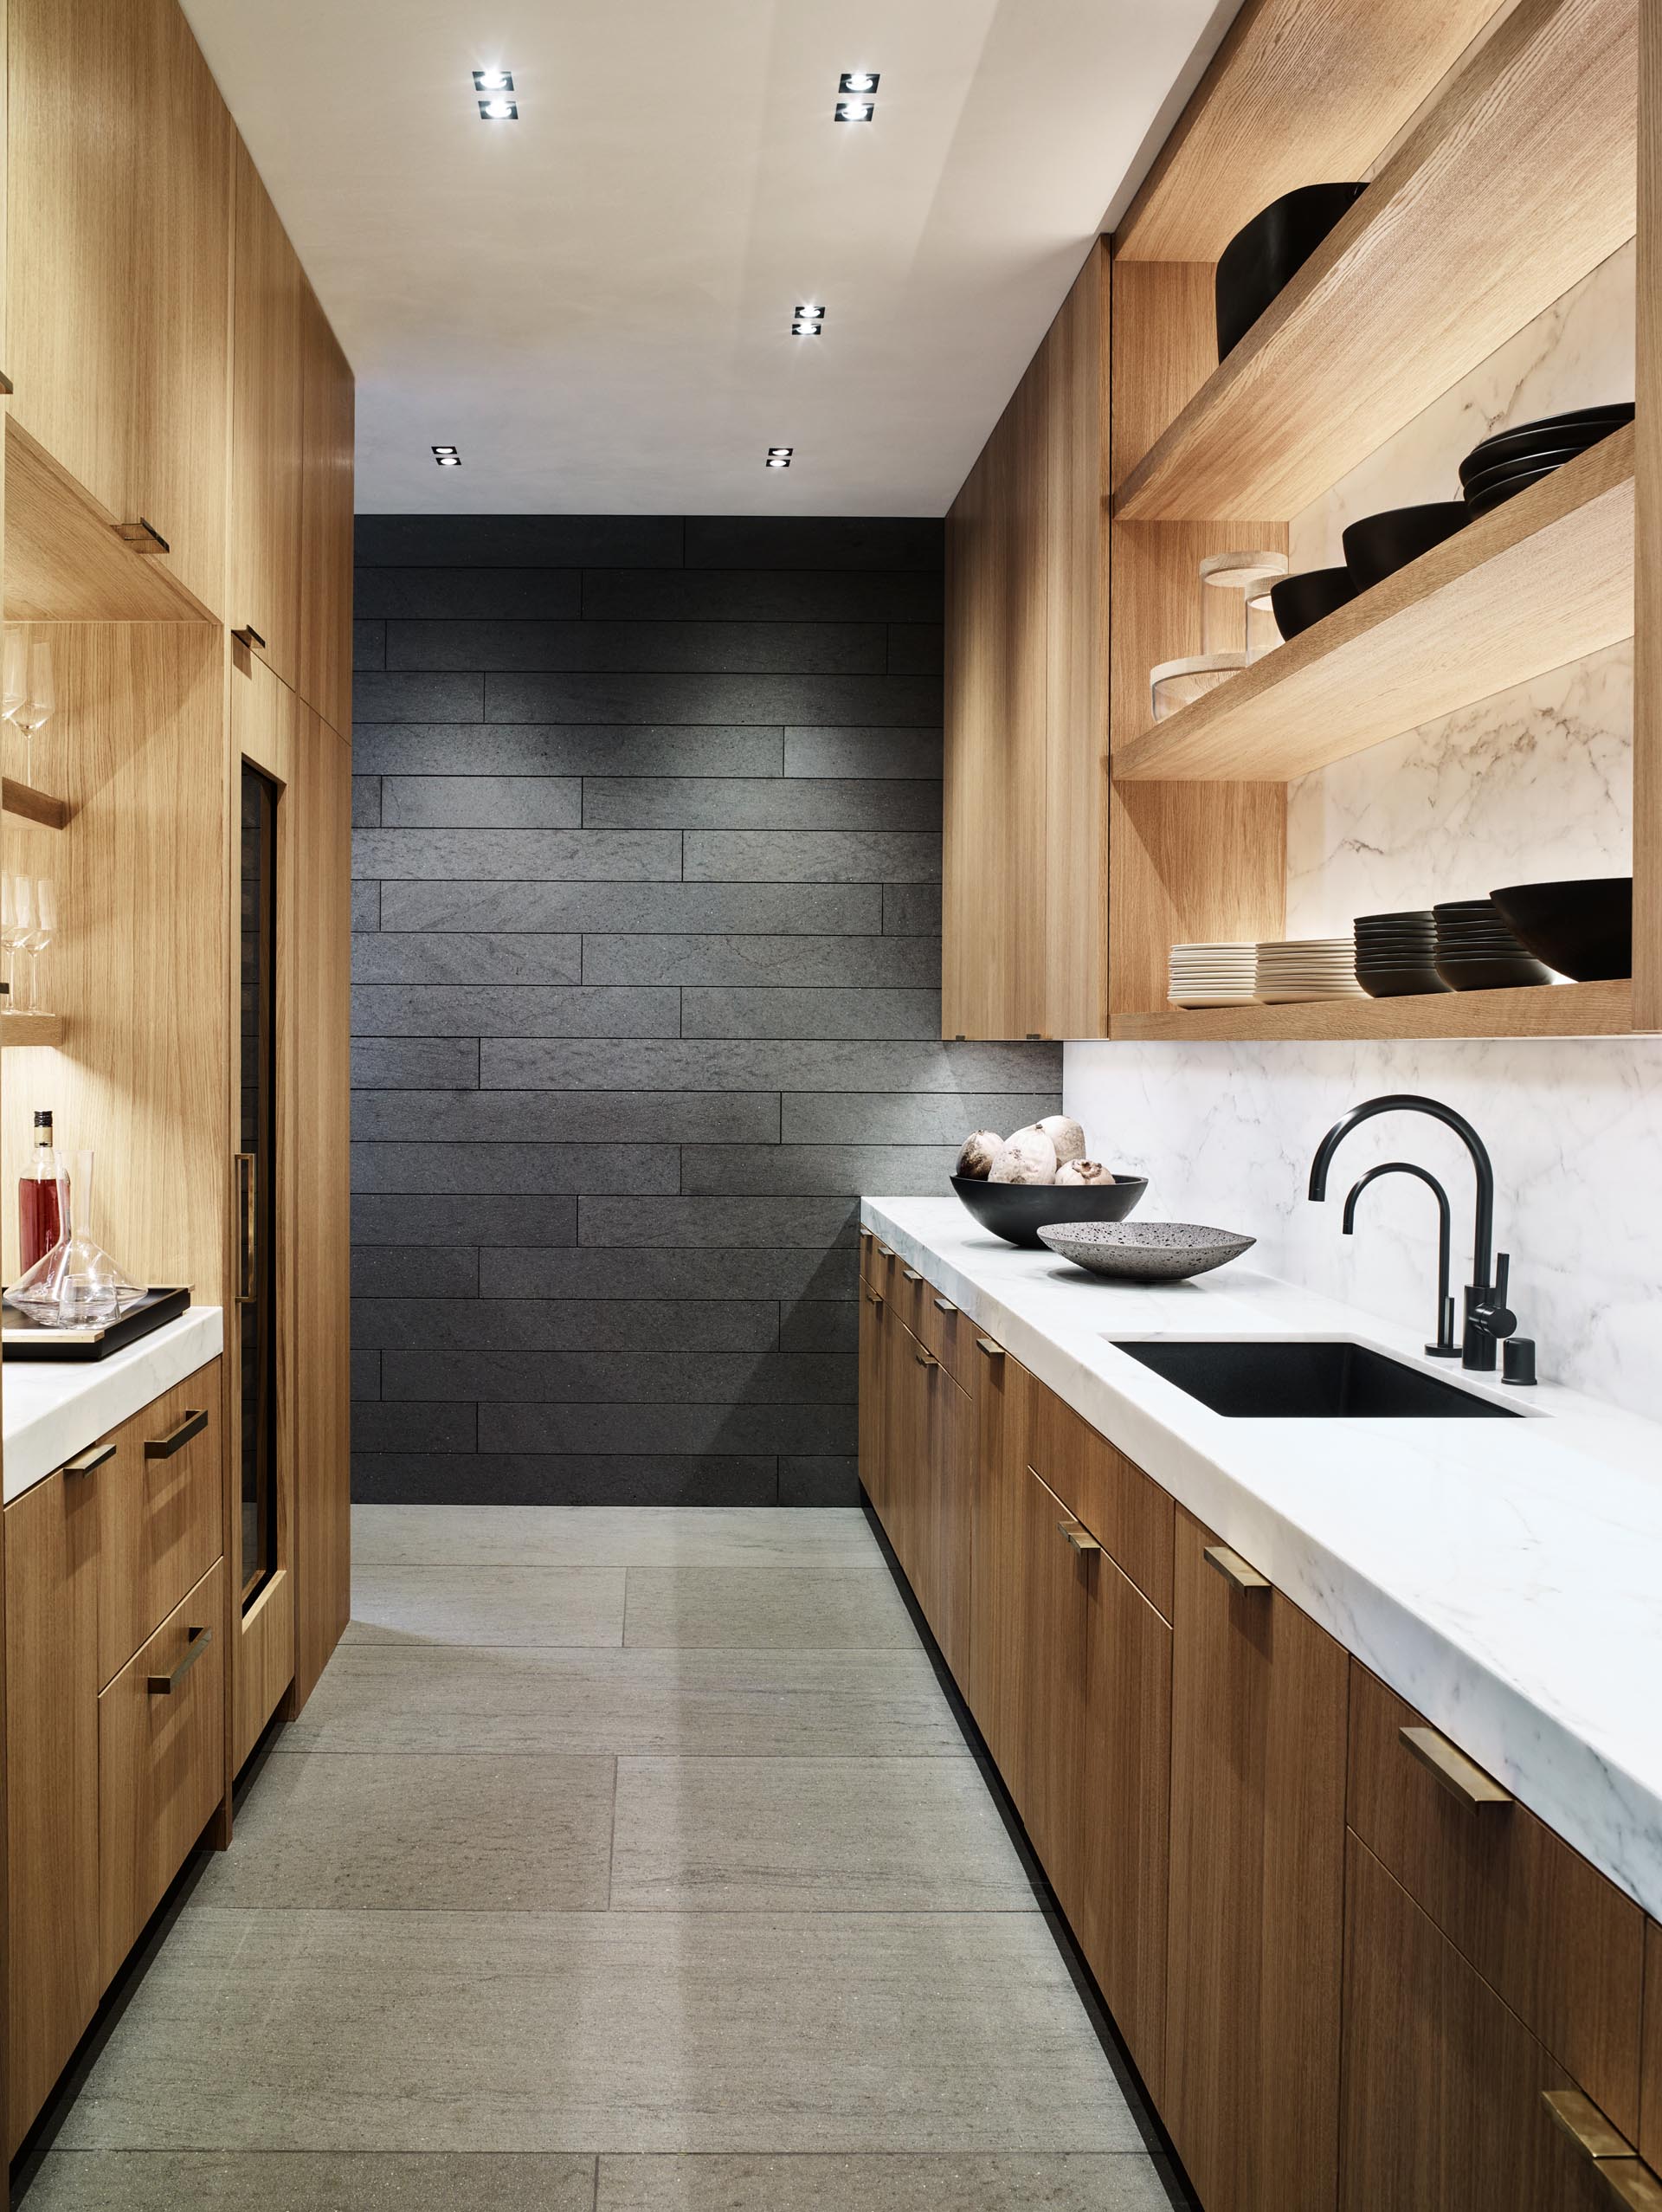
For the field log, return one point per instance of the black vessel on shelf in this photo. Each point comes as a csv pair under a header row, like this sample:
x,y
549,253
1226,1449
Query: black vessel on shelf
x,y
1267,253
1379,545
1017,1211
1300,602
1582,928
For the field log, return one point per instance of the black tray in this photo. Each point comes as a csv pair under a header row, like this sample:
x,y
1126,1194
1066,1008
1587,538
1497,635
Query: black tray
x,y
23,1337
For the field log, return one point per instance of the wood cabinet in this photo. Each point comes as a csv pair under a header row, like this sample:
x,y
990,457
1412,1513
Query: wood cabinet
x,y
326,416
944,1440
54,1977
1024,948
1649,2087
1046,1613
160,1514
1002,1393
267,470
872,1409
1258,1764
1443,2083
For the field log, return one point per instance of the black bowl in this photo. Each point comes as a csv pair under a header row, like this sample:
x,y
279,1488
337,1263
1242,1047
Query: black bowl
x,y
1301,601
1498,494
1270,251
1584,929
1383,982
1381,543
1536,464
1017,1211
1582,428
1497,971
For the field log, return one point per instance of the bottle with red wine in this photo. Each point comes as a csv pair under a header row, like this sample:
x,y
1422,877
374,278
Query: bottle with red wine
x,y
39,1214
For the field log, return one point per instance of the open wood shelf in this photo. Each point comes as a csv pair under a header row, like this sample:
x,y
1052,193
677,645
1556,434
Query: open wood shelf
x,y
66,559
1519,181
1544,579
30,805
1554,1010
31,1029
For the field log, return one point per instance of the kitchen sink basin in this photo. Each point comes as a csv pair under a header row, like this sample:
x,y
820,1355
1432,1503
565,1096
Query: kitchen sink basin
x,y
1325,1379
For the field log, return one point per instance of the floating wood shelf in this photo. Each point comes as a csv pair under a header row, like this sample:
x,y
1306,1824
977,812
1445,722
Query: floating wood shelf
x,y
31,1029
67,560
1560,1010
1519,181
30,805
1544,579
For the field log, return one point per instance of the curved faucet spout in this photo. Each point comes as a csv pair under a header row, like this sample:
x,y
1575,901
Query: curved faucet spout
x,y
1445,1347
1482,1237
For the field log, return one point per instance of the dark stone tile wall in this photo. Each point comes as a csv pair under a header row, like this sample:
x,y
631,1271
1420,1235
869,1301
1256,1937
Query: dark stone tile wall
x,y
645,992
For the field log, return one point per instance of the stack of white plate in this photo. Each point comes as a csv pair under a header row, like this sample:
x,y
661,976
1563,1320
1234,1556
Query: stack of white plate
x,y
1305,968
1213,975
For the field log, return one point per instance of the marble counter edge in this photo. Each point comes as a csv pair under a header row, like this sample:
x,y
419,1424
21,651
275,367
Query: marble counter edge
x,y
1612,1816
54,1409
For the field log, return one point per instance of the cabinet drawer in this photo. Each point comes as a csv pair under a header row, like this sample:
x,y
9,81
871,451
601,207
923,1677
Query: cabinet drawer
x,y
950,1335
1131,1516
160,1514
161,1762
1561,1944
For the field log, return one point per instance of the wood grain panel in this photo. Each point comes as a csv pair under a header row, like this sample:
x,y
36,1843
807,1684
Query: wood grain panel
x,y
1541,1011
1443,2084
1647,571
262,1663
1257,1735
161,1521
1132,1516
873,1431
1046,1607
325,678
1522,169
1650,2116
51,1632
992,1691
1300,92
266,426
1561,1944
66,561
949,1455
161,1762
1124,1837
1165,347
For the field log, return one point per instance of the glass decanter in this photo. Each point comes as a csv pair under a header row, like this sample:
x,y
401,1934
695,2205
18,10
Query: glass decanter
x,y
76,1285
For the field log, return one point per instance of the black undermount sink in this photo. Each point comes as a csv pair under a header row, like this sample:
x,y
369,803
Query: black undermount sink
x,y
1329,1380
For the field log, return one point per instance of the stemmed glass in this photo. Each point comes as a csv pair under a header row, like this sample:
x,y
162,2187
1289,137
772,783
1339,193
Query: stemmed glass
x,y
17,924
16,675
44,929
41,705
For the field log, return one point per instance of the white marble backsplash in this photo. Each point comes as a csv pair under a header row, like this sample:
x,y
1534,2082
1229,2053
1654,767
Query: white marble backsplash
x,y
1531,783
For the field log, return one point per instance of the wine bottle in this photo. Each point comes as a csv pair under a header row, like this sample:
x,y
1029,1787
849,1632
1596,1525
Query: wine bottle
x,y
39,1219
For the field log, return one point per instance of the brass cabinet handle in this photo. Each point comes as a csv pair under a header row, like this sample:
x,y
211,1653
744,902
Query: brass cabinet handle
x,y
1458,1775
88,1461
912,1274
247,1186
1619,2166
885,1251
986,1344
163,1685
944,1305
163,1448
1234,1569
925,1358
249,635
1079,1538
865,1236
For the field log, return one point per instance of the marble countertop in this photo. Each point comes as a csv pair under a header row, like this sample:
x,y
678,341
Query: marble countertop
x,y
53,1409
1503,1576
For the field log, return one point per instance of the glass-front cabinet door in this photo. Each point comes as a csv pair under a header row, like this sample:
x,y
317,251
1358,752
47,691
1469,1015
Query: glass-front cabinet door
x,y
256,1163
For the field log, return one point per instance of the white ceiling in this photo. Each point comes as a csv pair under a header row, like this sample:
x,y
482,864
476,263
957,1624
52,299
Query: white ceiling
x,y
593,302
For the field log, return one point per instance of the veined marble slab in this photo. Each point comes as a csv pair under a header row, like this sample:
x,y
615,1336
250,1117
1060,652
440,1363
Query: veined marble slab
x,y
53,1409
1503,1576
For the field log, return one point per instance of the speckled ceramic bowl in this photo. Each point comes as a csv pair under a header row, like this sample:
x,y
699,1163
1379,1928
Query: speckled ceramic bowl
x,y
1144,1252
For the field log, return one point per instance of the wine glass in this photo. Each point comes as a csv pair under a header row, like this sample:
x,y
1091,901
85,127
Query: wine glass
x,y
16,660
45,928
41,705
16,923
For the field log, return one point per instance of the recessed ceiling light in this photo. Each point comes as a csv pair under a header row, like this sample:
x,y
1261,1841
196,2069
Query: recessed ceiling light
x,y
854,111
447,456
493,80
857,80
806,326
499,110
446,449
779,456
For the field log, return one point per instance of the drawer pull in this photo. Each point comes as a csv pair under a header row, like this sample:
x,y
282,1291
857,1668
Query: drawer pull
x,y
1234,1569
87,1460
992,1351
885,1251
248,1215
249,635
163,1685
944,1305
163,1448
865,1236
1079,1538
1458,1775
912,1274
926,1358
1618,2165
876,1296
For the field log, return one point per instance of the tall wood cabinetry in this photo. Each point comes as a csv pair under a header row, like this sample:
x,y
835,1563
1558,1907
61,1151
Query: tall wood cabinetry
x,y
177,534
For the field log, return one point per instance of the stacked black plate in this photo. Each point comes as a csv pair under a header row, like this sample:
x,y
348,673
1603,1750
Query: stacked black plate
x,y
1477,952
1396,954
1510,460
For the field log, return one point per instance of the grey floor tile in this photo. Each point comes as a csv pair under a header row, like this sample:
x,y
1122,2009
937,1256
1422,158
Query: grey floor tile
x,y
1064,2181
832,1836
671,1704
768,1607
309,2180
376,1833
487,1605
599,1536
609,2031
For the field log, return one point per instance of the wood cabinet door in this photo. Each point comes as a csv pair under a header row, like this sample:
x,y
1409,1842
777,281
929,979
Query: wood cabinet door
x,y
265,427
874,1376
1125,1777
1443,2083
1650,2087
54,1981
325,681
948,1463
1047,1652
1258,1762
898,1398
1000,1470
